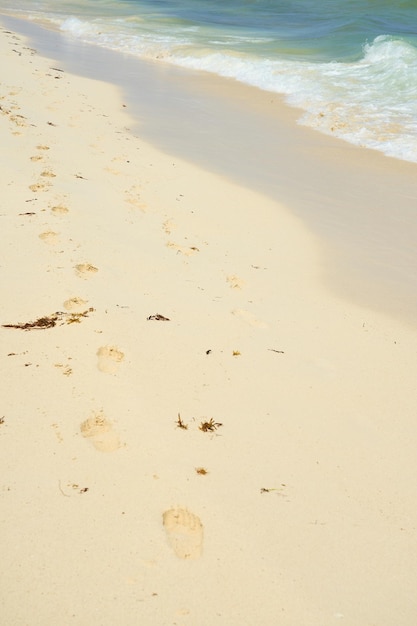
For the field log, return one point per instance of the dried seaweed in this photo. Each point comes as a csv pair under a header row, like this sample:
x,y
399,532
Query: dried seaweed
x,y
209,426
180,423
158,317
41,323
49,321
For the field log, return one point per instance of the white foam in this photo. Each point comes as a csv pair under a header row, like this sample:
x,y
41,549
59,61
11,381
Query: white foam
x,y
371,102
80,28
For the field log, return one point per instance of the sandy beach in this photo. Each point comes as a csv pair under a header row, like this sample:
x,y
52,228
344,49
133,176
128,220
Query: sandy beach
x,y
195,429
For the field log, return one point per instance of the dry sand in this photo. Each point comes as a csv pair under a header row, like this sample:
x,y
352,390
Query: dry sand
x,y
194,431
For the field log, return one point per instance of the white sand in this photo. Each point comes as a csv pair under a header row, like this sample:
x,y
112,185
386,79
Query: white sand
x,y
307,512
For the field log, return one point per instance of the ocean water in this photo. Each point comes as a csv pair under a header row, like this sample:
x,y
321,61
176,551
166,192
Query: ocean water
x,y
349,65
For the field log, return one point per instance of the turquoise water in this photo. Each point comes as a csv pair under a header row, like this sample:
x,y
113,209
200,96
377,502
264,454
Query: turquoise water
x,y
349,65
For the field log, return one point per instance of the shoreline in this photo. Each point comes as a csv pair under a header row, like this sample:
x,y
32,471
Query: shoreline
x,y
177,297
358,203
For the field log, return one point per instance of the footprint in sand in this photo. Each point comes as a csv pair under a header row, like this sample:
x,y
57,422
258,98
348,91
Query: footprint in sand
x,y
48,174
168,226
75,305
49,237
99,431
184,532
38,187
235,282
85,270
19,120
109,358
59,209
133,198
249,318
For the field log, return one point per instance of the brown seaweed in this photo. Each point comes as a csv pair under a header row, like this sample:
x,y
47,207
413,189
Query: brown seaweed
x,y
209,426
49,321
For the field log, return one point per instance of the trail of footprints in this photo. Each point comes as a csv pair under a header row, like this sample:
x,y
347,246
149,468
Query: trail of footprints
x,y
184,529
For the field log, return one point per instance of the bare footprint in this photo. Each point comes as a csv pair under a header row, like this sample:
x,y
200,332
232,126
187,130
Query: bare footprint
x,y
99,431
168,226
249,318
38,187
113,170
19,120
75,305
235,282
184,533
109,358
133,198
85,270
49,237
48,174
59,209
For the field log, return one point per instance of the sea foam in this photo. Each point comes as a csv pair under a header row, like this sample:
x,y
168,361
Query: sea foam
x,y
371,102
